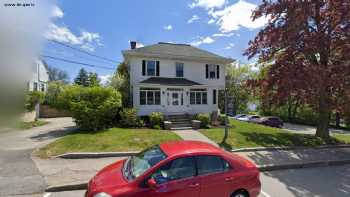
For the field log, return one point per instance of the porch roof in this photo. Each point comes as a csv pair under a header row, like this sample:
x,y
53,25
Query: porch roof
x,y
170,81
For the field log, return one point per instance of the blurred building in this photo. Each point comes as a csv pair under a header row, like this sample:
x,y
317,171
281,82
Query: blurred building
x,y
40,76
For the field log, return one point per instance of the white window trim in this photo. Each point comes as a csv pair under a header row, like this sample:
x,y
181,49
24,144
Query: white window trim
x,y
155,68
195,96
154,97
209,69
183,69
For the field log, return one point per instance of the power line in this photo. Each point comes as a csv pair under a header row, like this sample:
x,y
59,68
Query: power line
x,y
75,62
82,51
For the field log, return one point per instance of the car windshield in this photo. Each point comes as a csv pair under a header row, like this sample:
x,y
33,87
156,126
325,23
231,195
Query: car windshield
x,y
136,165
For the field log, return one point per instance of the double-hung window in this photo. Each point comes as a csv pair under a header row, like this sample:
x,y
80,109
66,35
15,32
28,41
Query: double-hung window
x,y
198,97
179,69
150,68
149,96
212,71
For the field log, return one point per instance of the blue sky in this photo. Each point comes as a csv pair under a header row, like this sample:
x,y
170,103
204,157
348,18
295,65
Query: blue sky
x,y
105,28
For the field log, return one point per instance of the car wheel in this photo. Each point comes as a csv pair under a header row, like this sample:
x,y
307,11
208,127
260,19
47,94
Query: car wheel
x,y
240,194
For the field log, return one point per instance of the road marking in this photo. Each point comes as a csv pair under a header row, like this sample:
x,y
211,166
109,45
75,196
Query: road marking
x,y
265,194
47,194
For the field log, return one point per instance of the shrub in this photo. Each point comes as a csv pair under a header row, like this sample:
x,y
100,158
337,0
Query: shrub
x,y
93,108
128,118
52,96
156,119
32,99
204,118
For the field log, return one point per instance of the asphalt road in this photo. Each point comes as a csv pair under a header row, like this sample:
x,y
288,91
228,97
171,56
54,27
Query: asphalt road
x,y
311,182
19,175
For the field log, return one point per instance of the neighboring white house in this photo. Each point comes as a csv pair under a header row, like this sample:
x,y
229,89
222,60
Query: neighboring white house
x,y
175,78
40,77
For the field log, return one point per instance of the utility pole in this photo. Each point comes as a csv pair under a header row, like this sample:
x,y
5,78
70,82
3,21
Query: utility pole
x,y
226,118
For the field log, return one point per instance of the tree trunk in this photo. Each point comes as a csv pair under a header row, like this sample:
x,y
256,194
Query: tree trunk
x,y
324,117
337,119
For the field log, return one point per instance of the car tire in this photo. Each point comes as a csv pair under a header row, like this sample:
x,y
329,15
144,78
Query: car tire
x,y
240,193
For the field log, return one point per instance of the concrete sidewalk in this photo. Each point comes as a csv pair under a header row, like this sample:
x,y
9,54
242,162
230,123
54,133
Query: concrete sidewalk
x,y
193,135
58,172
298,156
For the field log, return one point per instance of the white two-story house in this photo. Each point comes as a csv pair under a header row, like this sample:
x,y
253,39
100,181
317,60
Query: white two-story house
x,y
174,78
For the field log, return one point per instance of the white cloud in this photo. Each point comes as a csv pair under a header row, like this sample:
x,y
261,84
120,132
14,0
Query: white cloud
x,y
194,18
236,16
230,46
203,40
211,21
223,35
168,27
56,12
105,79
208,4
86,40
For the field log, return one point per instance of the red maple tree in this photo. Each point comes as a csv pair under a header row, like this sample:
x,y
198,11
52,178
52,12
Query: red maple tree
x,y
307,43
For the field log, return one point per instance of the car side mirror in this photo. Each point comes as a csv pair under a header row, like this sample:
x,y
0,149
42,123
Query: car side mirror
x,y
152,183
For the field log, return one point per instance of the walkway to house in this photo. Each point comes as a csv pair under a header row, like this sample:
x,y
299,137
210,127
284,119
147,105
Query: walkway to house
x,y
193,135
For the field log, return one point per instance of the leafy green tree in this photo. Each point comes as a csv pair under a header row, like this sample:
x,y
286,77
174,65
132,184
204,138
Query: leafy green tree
x,y
93,80
82,78
236,78
121,82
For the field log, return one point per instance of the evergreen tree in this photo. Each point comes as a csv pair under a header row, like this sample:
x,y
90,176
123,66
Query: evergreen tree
x,y
82,78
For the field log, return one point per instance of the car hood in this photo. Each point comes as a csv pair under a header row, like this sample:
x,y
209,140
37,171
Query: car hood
x,y
109,177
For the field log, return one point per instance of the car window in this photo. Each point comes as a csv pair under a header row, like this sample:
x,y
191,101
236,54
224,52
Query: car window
x,y
177,169
211,164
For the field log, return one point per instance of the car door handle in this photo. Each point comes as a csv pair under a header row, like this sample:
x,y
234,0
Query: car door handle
x,y
194,185
228,179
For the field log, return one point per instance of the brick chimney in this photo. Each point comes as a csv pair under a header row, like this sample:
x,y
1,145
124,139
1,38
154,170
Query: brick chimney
x,y
133,44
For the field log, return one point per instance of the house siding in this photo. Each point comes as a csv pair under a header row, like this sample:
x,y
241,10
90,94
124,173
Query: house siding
x,y
194,71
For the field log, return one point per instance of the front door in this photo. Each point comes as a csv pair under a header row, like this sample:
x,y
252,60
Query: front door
x,y
175,101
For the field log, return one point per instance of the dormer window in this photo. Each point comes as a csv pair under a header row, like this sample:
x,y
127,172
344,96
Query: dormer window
x,y
179,69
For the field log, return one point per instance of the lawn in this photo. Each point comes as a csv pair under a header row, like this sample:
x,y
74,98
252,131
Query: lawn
x,y
29,125
243,134
115,139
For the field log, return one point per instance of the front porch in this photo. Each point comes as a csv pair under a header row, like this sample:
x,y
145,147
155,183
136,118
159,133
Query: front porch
x,y
175,98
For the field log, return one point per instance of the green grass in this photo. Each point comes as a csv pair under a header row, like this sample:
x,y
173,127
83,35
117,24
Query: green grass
x,y
243,134
115,139
343,137
29,125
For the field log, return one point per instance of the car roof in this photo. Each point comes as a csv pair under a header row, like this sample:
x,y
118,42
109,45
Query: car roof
x,y
187,147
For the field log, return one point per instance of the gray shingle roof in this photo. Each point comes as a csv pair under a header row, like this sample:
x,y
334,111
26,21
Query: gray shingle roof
x,y
176,51
170,81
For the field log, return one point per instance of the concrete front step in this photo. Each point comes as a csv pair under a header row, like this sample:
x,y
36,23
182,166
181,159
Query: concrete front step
x,y
180,128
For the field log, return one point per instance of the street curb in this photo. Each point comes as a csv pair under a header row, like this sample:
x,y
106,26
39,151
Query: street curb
x,y
288,148
95,155
265,168
131,153
71,187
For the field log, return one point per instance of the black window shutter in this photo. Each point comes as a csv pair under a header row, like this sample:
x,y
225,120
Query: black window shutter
x,y
206,71
217,71
157,68
214,96
143,67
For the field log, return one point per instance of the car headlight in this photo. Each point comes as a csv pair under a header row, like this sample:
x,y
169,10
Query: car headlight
x,y
102,194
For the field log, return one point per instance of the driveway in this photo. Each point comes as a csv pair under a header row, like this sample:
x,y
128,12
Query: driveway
x,y
305,129
18,173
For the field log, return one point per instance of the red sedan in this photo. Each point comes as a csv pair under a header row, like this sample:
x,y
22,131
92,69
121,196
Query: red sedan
x,y
178,169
